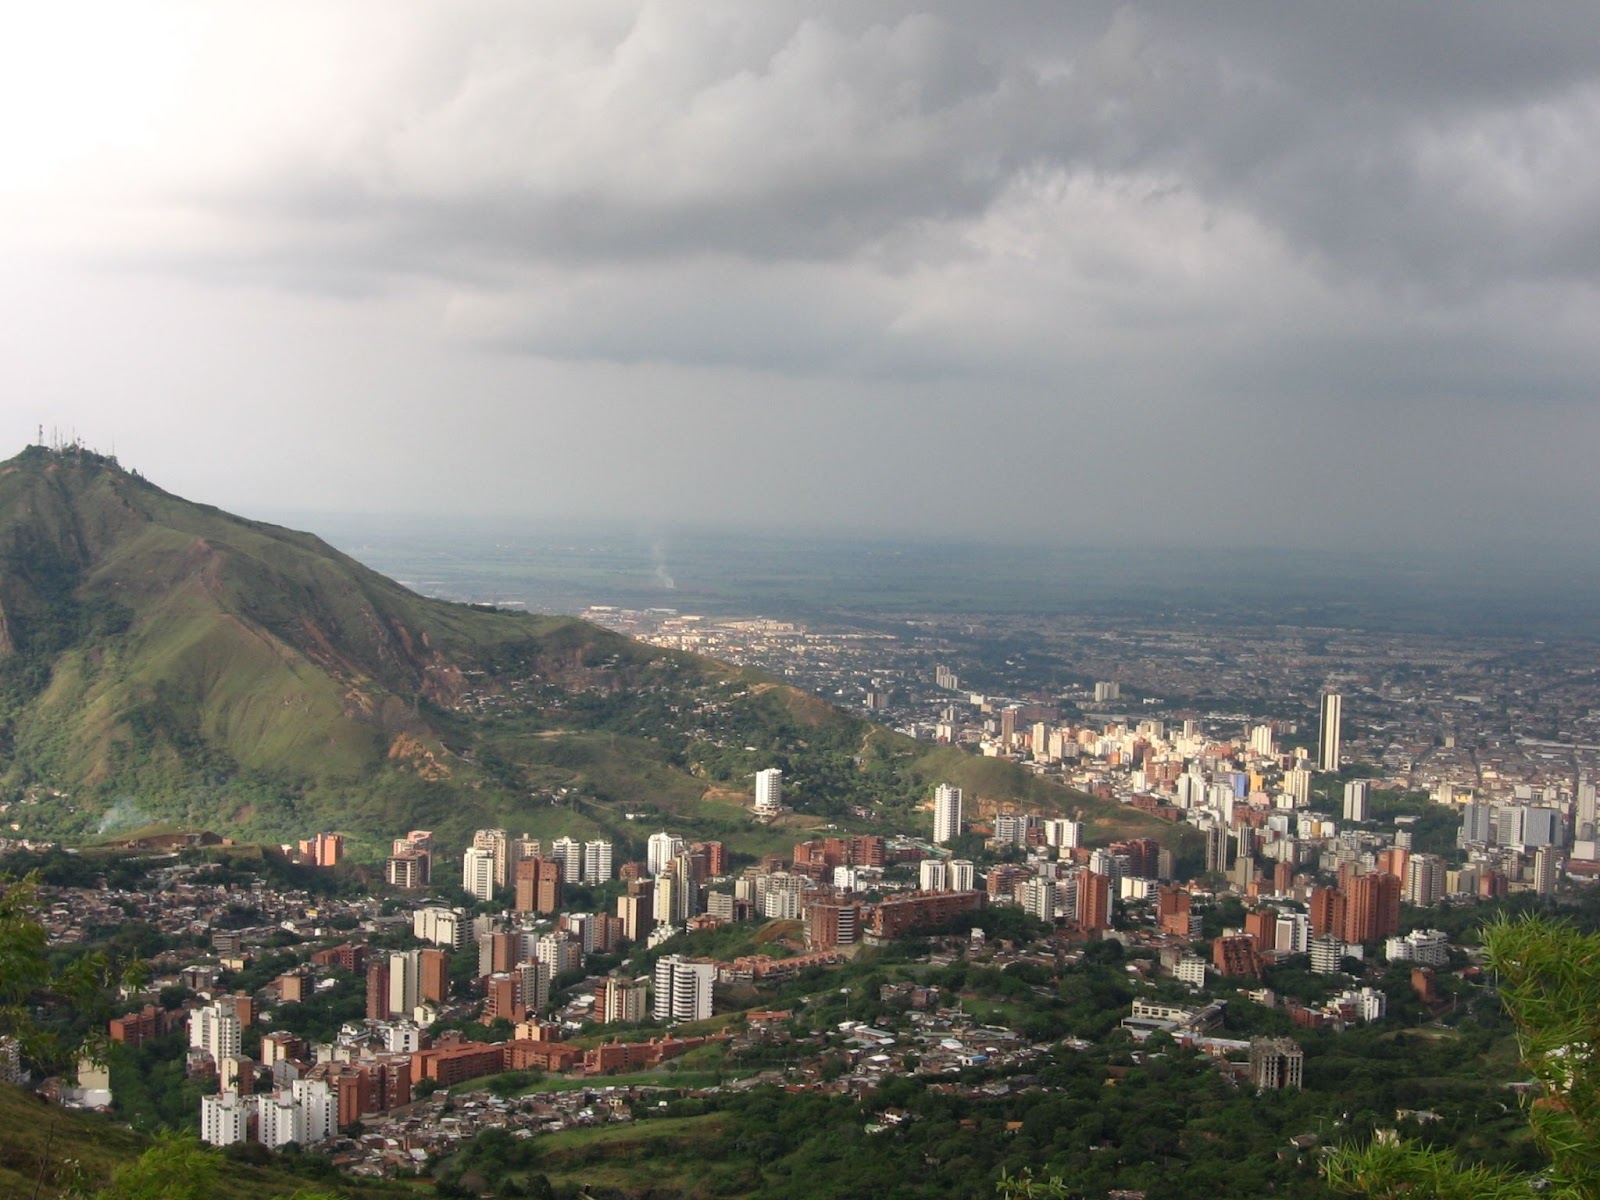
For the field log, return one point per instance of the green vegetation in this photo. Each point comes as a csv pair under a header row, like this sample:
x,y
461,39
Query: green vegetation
x,y
1550,982
53,1004
164,662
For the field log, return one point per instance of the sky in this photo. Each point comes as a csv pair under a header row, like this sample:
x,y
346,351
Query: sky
x,y
1078,274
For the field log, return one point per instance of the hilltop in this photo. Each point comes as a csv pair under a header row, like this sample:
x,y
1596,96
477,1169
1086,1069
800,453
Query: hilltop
x,y
165,661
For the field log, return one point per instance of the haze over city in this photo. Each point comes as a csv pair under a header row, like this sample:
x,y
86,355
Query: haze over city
x,y
1098,275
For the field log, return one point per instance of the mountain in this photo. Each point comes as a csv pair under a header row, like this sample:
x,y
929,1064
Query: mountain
x,y
164,661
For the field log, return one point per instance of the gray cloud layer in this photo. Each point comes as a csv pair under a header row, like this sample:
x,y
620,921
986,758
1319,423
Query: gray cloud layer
x,y
1147,271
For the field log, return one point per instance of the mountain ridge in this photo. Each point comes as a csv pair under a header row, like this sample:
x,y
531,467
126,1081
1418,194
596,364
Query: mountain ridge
x,y
166,661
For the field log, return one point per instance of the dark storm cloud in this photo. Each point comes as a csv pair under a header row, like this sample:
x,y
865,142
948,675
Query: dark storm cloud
x,y
1133,244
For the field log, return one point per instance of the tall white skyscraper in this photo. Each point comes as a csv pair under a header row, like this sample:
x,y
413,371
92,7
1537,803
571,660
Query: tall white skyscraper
x,y
1584,819
769,790
1329,742
596,862
683,988
946,813
1037,898
498,843
1297,783
216,1030
661,849
477,873
934,875
569,854
405,982
1356,795
225,1118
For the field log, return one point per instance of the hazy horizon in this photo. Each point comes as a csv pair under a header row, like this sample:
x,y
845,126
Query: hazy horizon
x,y
557,567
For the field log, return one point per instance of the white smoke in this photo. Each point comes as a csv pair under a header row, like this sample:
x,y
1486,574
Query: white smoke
x,y
658,557
124,814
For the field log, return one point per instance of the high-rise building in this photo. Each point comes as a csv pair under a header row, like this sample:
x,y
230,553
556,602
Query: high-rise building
x,y
441,926
1008,727
1297,783
1371,909
933,875
216,1030
963,875
498,843
435,986
769,790
1062,833
405,982
621,1000
1038,899
830,924
1584,815
538,883
683,988
1424,880
1217,849
597,862
1094,902
569,854
1356,797
532,979
1276,1063
225,1118
1477,824
407,870
661,849
1329,741
477,872
1546,870
779,895
637,909
946,813
378,989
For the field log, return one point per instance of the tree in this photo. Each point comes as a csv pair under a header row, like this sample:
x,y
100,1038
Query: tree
x,y
1550,984
176,1167
53,1013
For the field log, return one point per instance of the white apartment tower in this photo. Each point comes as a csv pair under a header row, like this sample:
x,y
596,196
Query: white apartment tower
x,y
569,854
683,988
215,1029
661,849
498,843
477,873
225,1118
597,862
1356,796
1329,741
1038,899
405,982
946,813
769,790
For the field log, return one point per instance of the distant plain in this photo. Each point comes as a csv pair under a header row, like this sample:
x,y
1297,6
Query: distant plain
x,y
1539,593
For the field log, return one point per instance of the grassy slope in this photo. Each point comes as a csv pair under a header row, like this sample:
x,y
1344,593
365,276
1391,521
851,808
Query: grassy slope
x,y
35,1137
265,677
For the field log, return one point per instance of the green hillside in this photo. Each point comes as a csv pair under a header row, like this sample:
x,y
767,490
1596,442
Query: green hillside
x,y
55,1154
165,662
